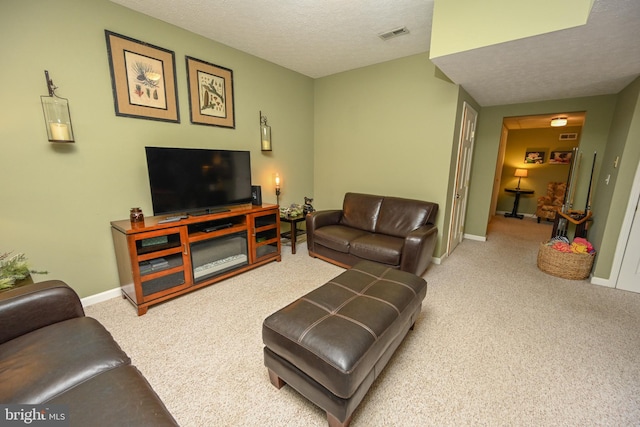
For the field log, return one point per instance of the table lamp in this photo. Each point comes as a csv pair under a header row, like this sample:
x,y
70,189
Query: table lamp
x,y
277,181
521,173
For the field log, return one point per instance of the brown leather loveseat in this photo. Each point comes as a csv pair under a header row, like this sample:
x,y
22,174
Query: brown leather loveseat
x,y
51,354
400,233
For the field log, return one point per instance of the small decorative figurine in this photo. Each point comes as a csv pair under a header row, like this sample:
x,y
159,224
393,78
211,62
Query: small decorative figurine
x,y
307,208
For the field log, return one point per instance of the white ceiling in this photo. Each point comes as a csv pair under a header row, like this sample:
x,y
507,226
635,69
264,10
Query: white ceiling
x,y
543,120
320,38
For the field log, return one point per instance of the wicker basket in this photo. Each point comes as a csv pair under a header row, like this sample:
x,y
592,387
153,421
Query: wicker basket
x,y
564,264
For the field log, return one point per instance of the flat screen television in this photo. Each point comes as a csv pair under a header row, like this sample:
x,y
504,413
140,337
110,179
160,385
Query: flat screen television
x,y
197,181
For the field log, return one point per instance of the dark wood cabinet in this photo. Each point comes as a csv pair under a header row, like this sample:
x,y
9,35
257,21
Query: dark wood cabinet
x,y
160,260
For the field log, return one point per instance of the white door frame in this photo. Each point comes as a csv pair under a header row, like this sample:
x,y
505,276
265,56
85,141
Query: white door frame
x,y
625,230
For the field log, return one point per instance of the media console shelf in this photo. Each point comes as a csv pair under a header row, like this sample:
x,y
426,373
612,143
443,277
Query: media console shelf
x,y
158,260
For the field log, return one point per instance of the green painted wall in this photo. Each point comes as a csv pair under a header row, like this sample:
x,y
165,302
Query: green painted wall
x,y
612,199
386,129
58,200
460,25
519,142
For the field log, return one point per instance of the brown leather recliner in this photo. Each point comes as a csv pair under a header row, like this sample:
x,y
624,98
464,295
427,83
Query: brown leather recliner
x,y
50,353
400,233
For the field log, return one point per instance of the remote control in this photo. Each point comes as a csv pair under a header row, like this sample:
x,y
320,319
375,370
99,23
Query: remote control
x,y
172,219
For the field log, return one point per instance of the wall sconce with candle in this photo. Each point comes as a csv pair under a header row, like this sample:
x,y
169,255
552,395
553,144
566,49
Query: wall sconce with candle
x,y
265,134
56,114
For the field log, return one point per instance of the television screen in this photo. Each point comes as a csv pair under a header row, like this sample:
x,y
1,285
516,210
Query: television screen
x,y
197,181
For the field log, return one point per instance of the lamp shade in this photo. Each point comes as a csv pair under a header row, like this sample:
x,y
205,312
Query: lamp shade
x,y
521,173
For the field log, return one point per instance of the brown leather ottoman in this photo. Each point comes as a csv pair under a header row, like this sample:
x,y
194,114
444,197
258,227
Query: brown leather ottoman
x,y
331,344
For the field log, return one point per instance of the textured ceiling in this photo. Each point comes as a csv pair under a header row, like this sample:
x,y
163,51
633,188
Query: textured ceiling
x,y
313,37
599,58
320,38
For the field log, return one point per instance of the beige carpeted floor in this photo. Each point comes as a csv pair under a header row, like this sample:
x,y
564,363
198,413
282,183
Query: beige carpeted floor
x,y
499,343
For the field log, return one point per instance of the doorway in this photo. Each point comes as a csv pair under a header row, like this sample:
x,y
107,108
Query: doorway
x,y
532,144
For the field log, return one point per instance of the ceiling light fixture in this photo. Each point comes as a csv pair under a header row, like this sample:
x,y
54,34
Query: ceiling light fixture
x,y
558,122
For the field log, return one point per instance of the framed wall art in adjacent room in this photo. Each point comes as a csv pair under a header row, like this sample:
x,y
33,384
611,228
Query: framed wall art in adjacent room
x,y
210,94
143,77
533,156
560,157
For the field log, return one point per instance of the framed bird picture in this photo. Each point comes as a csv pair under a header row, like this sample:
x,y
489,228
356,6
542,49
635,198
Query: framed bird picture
x,y
210,94
143,78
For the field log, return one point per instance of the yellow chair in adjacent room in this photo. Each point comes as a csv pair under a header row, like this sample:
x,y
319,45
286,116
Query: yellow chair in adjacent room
x,y
551,203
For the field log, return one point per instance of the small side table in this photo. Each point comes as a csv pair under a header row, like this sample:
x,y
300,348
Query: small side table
x,y
294,232
517,191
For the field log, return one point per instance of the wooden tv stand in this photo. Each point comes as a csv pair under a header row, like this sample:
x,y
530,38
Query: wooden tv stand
x,y
159,260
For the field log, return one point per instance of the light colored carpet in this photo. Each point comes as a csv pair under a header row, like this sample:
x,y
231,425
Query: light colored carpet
x,y
498,343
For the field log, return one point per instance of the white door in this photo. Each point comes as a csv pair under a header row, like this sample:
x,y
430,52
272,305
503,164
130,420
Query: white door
x,y
463,170
629,278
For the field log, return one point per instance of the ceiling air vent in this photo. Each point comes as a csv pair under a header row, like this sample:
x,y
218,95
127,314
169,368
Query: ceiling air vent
x,y
568,136
394,33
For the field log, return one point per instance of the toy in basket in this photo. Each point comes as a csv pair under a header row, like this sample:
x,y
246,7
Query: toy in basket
x,y
560,258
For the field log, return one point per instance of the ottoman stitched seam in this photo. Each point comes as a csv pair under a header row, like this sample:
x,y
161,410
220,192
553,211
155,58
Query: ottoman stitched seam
x,y
368,296
362,325
311,326
356,294
335,313
382,277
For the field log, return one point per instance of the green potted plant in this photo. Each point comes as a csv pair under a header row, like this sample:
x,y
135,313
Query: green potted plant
x,y
14,269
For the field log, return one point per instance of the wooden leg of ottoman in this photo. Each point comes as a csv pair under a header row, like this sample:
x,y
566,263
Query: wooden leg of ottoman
x,y
334,422
276,380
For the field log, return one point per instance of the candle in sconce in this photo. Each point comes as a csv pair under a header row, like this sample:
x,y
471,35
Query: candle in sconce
x,y
60,132
266,138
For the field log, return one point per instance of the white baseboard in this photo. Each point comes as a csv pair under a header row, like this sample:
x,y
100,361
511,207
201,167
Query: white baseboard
x,y
602,282
474,237
102,296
